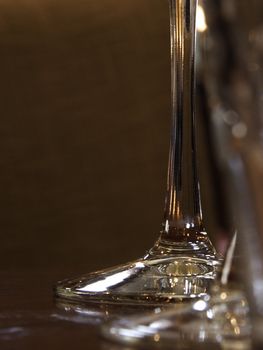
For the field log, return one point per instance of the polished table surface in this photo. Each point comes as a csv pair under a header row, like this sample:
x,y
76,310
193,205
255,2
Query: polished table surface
x,y
31,318
84,134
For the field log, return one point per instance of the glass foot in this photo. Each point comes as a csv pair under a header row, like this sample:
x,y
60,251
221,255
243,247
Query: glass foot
x,y
183,263
154,279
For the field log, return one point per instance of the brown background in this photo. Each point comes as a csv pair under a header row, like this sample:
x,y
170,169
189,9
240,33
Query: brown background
x,y
84,133
84,129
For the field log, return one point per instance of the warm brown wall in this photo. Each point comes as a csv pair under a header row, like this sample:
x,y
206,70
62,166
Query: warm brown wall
x,y
84,126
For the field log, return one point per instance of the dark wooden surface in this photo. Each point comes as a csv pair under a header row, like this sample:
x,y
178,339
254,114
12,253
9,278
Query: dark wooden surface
x,y
84,127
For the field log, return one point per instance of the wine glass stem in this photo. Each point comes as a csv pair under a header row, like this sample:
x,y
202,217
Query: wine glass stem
x,y
182,205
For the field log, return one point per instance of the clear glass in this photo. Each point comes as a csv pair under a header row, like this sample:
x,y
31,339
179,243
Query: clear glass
x,y
222,317
234,90
183,261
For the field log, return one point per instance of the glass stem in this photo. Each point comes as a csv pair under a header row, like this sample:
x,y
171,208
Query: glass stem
x,y
183,214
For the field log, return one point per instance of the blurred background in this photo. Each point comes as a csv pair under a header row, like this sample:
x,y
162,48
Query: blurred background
x,y
84,132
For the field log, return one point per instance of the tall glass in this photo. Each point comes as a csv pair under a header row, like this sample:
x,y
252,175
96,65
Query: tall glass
x,y
183,261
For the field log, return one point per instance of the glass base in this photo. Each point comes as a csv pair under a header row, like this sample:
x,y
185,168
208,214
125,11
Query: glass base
x,y
221,318
161,276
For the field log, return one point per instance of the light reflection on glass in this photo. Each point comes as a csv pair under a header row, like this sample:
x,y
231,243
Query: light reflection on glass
x,y
102,286
200,19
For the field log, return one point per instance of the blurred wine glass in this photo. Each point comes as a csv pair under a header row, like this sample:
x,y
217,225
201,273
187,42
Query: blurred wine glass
x,y
233,81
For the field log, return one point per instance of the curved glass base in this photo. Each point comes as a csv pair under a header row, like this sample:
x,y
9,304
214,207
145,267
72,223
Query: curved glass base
x,y
157,278
220,318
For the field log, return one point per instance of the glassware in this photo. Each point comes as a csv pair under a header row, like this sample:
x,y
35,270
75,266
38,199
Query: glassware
x,y
183,261
236,106
219,318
